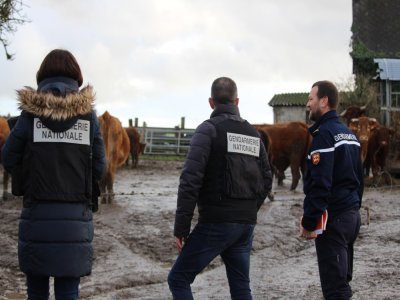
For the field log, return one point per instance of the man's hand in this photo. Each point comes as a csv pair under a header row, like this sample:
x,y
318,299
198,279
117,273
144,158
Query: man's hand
x,y
309,235
179,241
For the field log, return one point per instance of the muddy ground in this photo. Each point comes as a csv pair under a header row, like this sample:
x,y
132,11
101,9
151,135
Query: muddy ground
x,y
134,245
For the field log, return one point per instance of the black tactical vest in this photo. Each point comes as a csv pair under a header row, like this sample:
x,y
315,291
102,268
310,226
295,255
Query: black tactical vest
x,y
234,169
57,166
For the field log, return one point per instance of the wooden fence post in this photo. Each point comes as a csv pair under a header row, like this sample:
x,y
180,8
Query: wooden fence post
x,y
182,122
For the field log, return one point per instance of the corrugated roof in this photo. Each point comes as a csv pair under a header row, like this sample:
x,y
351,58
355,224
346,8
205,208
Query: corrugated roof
x,y
300,99
389,68
289,99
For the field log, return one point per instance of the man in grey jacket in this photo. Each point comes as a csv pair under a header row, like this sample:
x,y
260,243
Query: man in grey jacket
x,y
228,176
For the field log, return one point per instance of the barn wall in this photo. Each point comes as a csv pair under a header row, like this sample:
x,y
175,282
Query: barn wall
x,y
285,114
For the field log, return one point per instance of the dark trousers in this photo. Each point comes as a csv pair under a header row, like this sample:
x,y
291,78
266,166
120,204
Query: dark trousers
x,y
64,288
335,254
230,240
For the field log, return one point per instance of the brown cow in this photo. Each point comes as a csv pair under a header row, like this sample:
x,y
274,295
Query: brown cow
x,y
265,140
116,143
362,128
136,147
289,143
267,145
4,133
353,112
378,149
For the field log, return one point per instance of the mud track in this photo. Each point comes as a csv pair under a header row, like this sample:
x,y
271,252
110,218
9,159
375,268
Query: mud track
x,y
134,245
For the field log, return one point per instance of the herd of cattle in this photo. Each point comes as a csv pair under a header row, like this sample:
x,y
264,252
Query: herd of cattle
x,y
374,139
287,145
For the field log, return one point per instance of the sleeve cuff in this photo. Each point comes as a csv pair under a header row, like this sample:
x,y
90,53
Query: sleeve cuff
x,y
309,223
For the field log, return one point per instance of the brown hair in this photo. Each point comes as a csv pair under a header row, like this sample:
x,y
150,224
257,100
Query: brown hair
x,y
59,63
327,88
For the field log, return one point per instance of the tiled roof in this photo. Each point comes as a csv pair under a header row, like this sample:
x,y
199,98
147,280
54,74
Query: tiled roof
x,y
388,68
289,99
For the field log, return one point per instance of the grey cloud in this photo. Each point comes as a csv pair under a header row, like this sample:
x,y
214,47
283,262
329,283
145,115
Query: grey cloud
x,y
168,52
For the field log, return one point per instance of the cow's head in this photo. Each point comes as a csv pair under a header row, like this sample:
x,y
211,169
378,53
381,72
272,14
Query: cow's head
x,y
353,112
363,127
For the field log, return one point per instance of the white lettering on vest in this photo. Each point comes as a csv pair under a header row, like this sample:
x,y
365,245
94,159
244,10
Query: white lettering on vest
x,y
77,134
245,144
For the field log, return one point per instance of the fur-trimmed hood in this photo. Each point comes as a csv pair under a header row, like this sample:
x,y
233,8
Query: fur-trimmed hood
x,y
56,112
48,106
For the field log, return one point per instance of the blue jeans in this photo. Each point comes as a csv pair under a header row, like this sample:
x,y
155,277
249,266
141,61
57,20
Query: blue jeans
x,y
64,288
230,240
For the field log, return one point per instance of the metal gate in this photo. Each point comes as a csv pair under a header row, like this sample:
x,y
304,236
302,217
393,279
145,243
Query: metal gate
x,y
166,141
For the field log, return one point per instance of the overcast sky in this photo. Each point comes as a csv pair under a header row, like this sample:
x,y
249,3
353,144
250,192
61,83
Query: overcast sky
x,y
156,59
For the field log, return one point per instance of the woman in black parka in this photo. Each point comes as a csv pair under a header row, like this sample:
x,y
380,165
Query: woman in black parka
x,y
55,153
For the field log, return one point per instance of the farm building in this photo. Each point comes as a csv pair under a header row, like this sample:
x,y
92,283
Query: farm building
x,y
376,51
389,90
289,107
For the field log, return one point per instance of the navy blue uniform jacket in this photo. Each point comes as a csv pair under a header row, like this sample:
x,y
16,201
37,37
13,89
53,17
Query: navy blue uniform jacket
x,y
334,179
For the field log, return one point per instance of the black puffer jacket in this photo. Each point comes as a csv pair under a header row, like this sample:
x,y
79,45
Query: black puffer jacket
x,y
227,185
56,228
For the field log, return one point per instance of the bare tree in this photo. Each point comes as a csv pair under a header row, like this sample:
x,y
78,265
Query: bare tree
x,y
360,90
10,17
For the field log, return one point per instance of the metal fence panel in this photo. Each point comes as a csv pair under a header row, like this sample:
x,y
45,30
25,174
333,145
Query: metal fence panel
x,y
166,141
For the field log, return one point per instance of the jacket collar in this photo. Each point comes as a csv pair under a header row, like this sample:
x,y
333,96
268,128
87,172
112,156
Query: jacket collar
x,y
225,109
332,114
58,86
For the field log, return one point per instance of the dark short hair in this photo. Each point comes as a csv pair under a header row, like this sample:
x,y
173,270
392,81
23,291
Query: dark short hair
x,y
223,90
59,63
327,88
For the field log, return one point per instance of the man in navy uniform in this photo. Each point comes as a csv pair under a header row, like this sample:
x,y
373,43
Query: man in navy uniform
x,y
334,182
